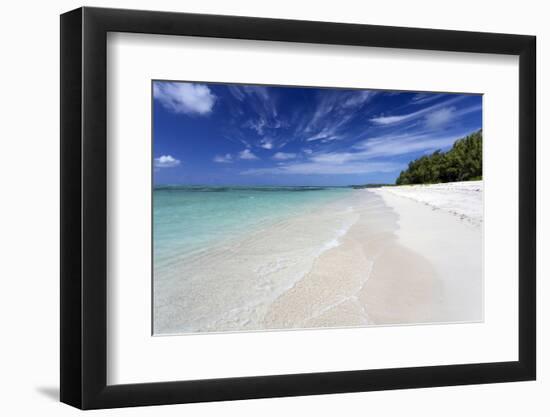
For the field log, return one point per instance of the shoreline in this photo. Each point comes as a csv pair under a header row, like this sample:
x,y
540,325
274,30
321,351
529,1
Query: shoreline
x,y
370,279
413,272
395,260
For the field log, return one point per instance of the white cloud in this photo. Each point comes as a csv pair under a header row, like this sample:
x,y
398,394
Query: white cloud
x,y
187,98
390,120
337,157
363,157
407,146
228,158
236,92
264,105
444,116
223,159
327,133
327,125
166,161
266,143
257,125
324,108
440,117
335,109
258,90
282,156
423,98
387,120
392,145
247,154
358,98
366,151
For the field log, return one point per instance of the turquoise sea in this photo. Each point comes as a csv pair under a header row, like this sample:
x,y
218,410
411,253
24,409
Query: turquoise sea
x,y
223,255
187,219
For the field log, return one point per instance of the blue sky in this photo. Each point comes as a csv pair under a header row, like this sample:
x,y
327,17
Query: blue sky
x,y
234,134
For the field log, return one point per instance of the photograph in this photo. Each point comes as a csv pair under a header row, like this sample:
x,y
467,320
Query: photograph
x,y
302,207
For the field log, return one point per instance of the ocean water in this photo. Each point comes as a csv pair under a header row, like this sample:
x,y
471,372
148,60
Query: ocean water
x,y
187,219
223,254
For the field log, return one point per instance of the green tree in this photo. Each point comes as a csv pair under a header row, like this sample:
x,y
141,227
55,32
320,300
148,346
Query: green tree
x,y
463,162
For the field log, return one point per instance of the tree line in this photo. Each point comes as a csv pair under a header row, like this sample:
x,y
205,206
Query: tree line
x,y
463,162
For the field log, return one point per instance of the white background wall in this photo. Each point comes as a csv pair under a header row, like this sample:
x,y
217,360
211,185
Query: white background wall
x,y
29,236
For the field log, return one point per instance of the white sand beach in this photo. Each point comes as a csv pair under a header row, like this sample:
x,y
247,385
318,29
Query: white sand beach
x,y
391,255
444,224
463,199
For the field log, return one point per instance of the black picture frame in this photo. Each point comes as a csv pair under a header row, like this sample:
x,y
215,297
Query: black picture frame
x,y
84,207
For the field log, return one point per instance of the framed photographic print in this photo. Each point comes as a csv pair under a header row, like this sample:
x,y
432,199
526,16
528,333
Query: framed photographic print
x,y
257,208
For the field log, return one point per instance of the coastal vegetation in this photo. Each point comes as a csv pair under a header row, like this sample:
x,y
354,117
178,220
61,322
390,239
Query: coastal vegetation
x,y
463,162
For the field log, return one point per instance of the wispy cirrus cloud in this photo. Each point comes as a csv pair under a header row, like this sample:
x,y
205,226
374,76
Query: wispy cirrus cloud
x,y
373,155
424,98
166,161
326,134
261,115
391,120
186,98
236,92
442,117
322,119
404,144
257,93
333,110
357,98
256,124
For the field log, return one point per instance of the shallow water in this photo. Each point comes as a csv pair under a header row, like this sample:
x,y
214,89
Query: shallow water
x,y
223,255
